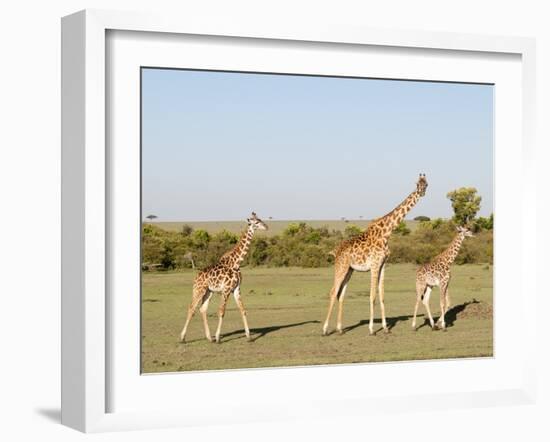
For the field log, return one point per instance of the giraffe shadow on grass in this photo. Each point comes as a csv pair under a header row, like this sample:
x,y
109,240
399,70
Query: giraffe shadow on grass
x,y
392,322
260,332
452,314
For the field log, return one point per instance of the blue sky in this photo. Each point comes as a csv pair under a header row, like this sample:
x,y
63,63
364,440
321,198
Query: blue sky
x,y
216,145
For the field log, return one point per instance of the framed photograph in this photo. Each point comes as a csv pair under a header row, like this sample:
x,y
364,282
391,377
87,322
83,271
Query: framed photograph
x,y
251,211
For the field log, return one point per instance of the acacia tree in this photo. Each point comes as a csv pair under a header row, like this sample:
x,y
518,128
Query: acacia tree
x,y
151,217
466,203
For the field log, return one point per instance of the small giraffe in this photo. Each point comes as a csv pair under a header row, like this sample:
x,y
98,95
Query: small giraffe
x,y
225,278
369,251
438,273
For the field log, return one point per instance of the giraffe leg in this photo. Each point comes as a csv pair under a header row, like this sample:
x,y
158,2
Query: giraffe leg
x,y
445,284
373,284
221,313
420,290
442,305
381,295
426,302
344,286
340,272
198,293
447,300
332,299
238,300
204,309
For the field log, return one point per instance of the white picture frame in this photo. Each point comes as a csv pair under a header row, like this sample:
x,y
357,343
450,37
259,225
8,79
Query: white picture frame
x,y
87,203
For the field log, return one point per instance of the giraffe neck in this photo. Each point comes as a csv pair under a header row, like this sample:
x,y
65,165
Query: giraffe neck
x,y
390,221
236,255
451,252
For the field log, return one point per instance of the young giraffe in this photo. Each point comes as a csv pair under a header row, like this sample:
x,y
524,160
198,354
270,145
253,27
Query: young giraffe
x,y
438,273
225,278
369,251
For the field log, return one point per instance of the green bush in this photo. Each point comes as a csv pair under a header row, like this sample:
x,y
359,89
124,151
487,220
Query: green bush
x,y
186,230
402,229
482,223
351,231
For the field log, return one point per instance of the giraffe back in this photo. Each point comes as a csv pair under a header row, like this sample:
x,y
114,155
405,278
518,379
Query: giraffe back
x,y
361,250
218,278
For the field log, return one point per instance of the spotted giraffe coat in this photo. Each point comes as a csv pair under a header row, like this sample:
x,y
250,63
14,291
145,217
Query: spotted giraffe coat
x,y
225,275
438,271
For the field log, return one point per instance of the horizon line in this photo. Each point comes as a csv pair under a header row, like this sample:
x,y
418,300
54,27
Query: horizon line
x,y
284,219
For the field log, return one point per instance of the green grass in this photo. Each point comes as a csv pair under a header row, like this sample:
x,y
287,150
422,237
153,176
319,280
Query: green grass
x,y
276,227
286,308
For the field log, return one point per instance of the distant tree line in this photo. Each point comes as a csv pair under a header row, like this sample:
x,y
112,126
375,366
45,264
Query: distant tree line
x,y
302,245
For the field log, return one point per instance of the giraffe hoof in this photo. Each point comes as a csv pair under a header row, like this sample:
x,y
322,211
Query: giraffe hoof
x,y
340,331
371,333
387,331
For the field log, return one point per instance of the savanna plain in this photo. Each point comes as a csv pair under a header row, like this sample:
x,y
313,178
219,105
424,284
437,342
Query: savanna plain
x,y
286,307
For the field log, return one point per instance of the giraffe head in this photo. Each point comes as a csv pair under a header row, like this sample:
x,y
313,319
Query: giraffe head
x,y
256,223
422,184
465,231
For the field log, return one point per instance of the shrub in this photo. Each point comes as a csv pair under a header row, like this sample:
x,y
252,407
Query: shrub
x,y
186,230
168,259
293,229
225,237
200,238
402,229
482,223
351,231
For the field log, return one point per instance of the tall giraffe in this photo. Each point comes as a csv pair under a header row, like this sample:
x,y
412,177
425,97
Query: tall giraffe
x,y
438,273
225,278
369,251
